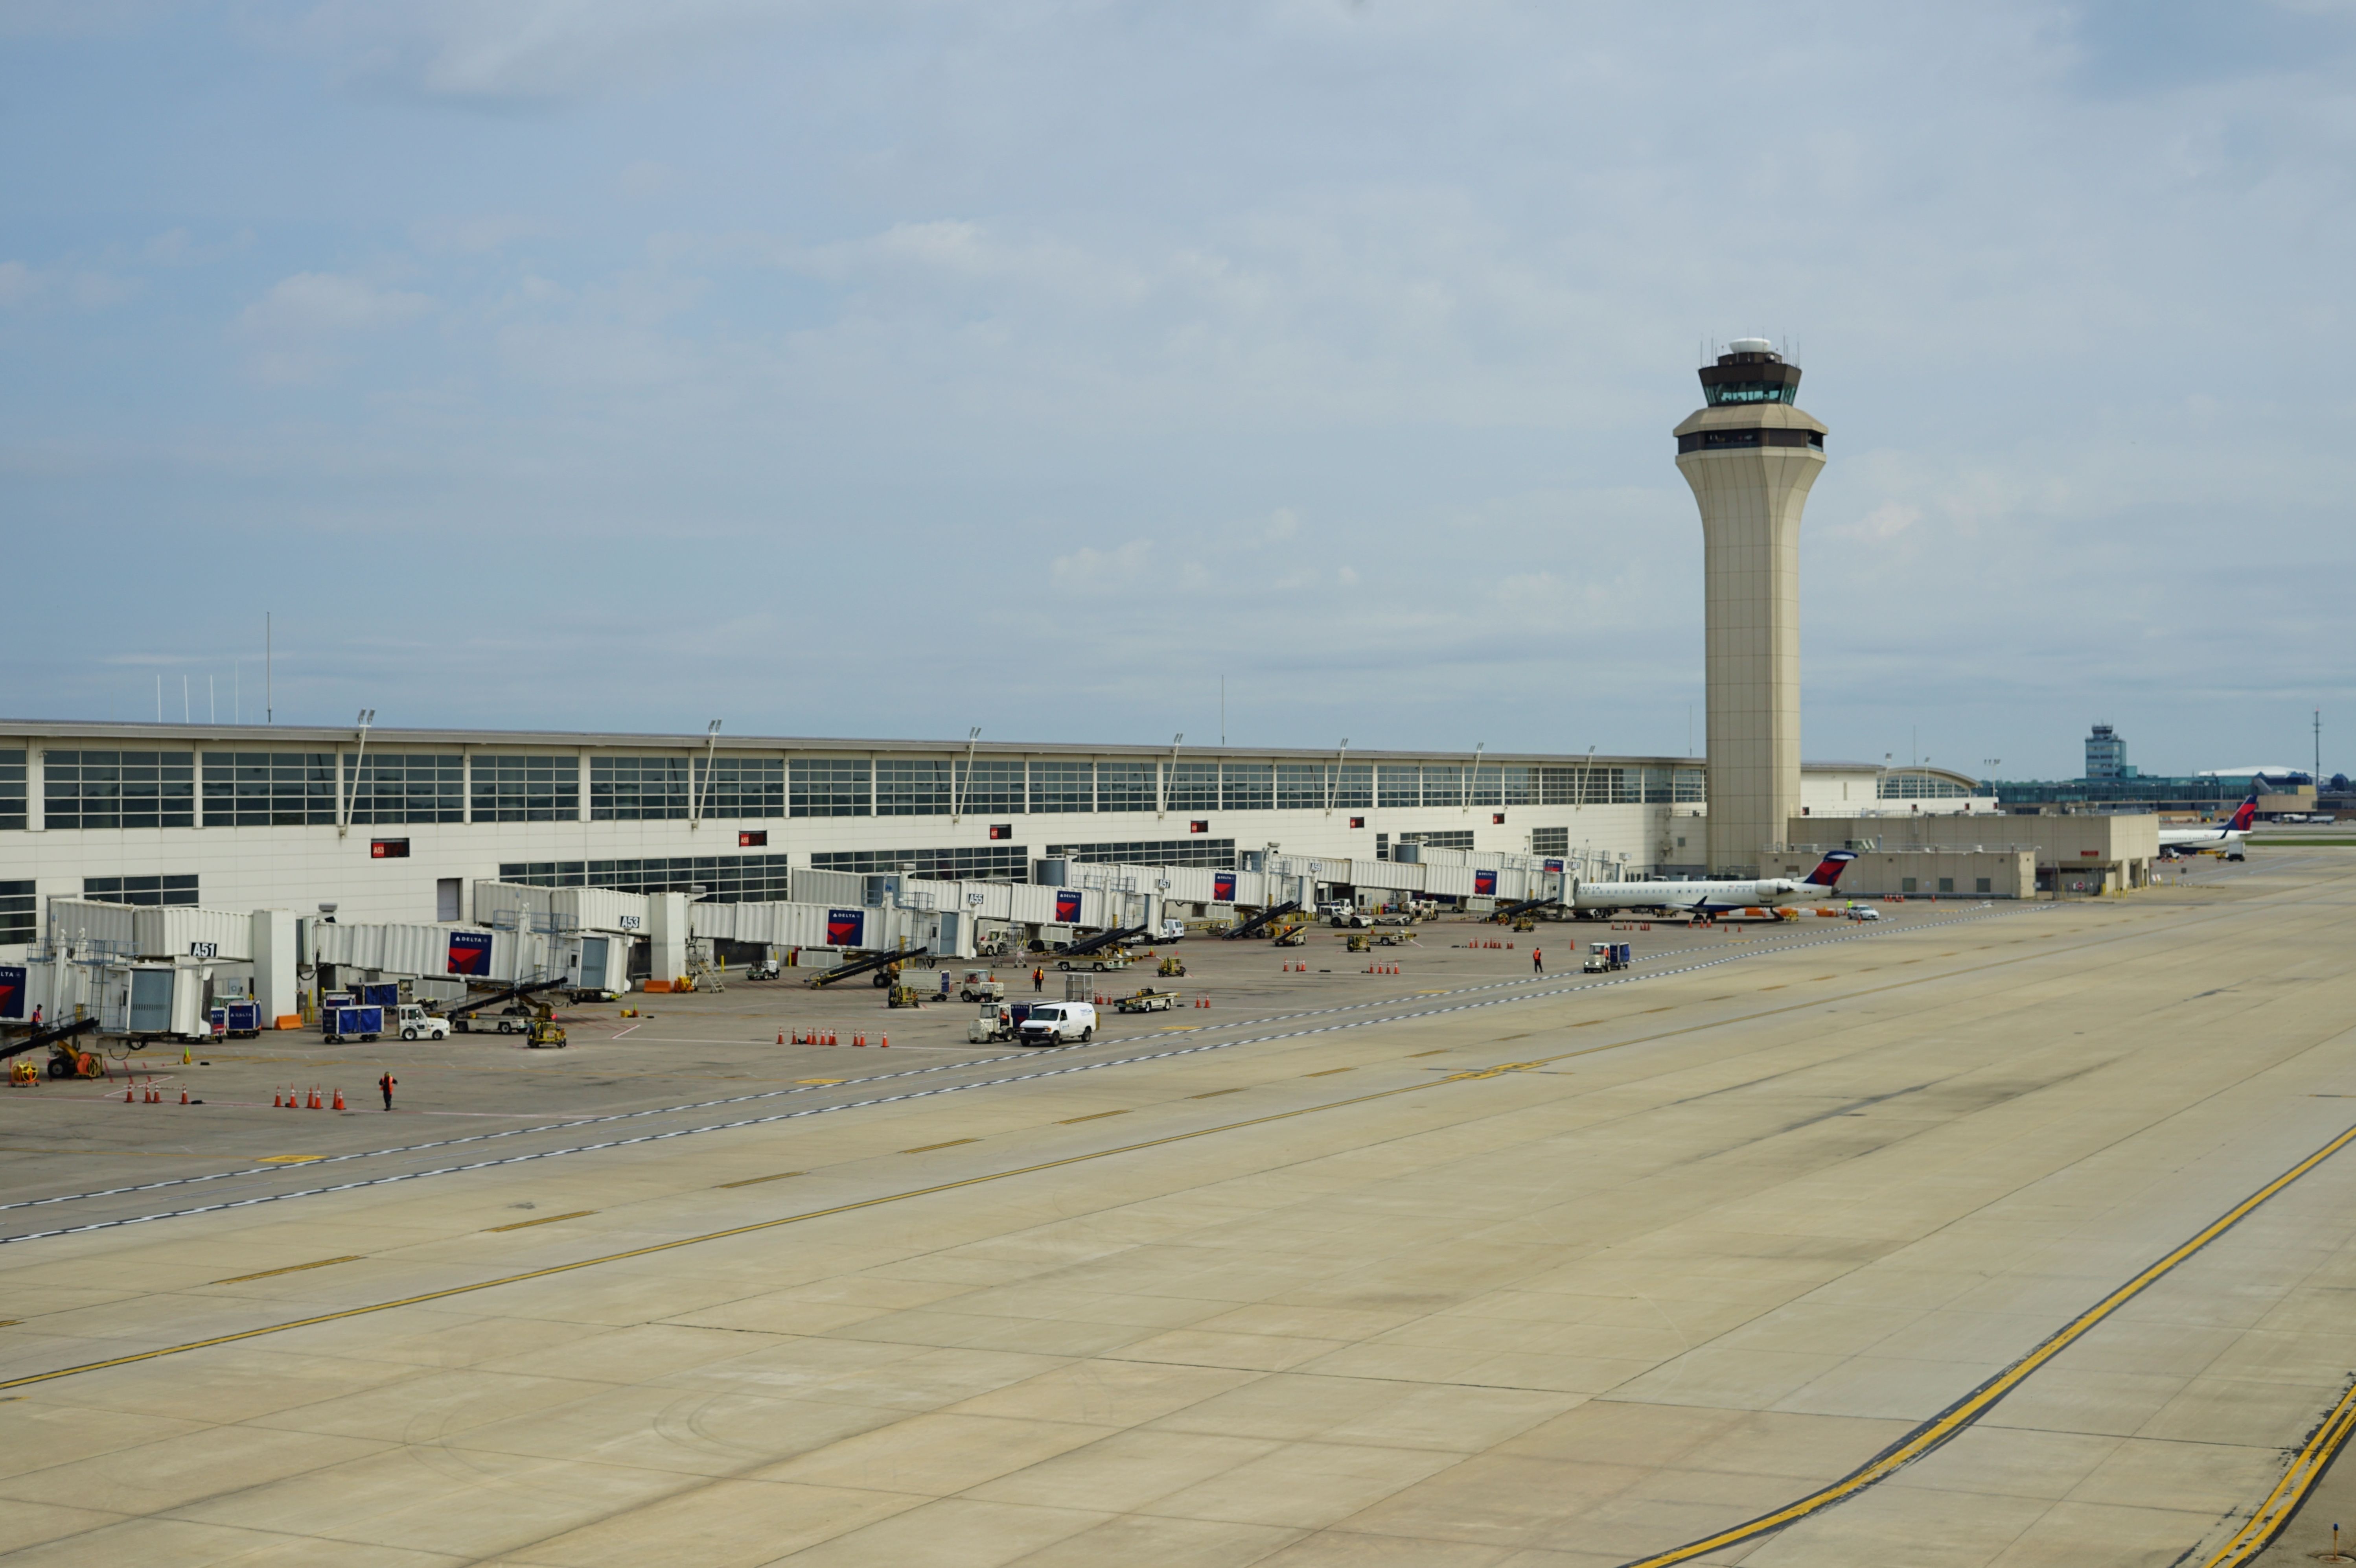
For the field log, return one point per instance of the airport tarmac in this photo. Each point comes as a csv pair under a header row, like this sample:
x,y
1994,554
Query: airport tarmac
x,y
1460,1266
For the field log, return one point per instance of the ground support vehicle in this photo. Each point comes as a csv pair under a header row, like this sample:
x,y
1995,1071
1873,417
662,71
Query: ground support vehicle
x,y
1147,1000
903,997
858,966
1058,1023
414,1023
764,969
1359,942
67,1059
980,986
1604,957
1172,968
1860,912
237,1020
1258,922
1290,937
1170,932
513,1015
338,1024
545,1034
1101,961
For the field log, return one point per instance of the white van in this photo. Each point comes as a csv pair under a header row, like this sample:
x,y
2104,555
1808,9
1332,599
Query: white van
x,y
1059,1023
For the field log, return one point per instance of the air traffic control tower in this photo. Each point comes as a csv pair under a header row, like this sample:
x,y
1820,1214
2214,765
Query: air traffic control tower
x,y
1751,456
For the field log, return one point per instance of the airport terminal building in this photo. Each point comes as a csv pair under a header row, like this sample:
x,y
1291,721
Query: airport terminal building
x,y
396,825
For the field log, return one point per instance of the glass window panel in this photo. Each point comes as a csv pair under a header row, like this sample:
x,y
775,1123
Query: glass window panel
x,y
112,789
963,863
831,787
725,878
1194,786
742,786
1217,855
987,789
1062,787
1125,787
1247,786
17,911
637,788
269,789
1399,784
527,788
912,788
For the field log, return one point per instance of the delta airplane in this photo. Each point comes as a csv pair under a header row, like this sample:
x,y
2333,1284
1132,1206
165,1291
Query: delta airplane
x,y
1704,900
2225,837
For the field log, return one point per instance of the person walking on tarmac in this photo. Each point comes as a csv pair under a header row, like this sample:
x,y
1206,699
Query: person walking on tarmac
x,y
385,1086
1537,961
1039,980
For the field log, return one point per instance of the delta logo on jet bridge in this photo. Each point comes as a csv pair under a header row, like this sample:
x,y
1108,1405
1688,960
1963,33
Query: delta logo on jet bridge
x,y
846,927
1484,885
1068,907
12,991
1223,887
470,953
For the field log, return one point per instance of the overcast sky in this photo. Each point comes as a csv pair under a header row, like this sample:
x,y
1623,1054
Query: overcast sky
x,y
889,369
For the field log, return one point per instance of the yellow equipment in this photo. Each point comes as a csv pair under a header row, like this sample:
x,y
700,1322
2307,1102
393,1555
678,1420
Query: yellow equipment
x,y
903,997
1170,966
1290,937
543,1032
1360,942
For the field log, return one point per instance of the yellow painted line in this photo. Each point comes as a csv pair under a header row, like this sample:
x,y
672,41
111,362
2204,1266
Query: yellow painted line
x,y
289,1159
755,1181
1440,1052
822,1080
2306,1469
1099,1116
1948,1423
927,1148
544,1219
1329,1072
290,1268
1214,1094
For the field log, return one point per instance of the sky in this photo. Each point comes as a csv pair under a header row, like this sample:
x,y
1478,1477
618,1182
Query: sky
x,y
890,368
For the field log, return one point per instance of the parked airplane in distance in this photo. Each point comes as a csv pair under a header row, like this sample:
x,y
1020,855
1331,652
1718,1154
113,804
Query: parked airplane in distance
x,y
2224,838
1592,900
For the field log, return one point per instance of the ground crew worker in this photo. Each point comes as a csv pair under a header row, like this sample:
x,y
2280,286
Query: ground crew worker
x,y
1038,979
384,1087
1538,963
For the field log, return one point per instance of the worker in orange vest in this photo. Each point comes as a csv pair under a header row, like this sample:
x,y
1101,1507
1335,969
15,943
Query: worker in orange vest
x,y
384,1087
1039,980
1538,964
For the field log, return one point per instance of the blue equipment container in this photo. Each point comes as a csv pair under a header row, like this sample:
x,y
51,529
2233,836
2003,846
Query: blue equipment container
x,y
338,1024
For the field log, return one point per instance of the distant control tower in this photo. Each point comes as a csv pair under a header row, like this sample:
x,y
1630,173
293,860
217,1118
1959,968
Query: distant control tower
x,y
1751,455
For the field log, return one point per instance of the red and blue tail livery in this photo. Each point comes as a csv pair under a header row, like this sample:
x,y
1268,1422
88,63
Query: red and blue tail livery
x,y
1828,869
2244,814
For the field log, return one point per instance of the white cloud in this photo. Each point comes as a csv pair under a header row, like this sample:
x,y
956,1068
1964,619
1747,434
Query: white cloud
x,y
301,330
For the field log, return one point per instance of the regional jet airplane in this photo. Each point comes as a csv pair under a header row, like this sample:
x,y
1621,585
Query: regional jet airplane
x,y
1590,900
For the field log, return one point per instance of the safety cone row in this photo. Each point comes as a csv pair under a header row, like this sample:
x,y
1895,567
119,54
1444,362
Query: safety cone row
x,y
1201,1002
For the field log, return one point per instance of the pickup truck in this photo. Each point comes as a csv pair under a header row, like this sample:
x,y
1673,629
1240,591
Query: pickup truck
x,y
1147,1000
1058,1023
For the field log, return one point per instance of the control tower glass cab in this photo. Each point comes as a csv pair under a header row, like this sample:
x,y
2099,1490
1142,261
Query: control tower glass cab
x,y
1751,456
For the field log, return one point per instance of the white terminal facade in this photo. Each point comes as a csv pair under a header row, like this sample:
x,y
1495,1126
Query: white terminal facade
x,y
399,825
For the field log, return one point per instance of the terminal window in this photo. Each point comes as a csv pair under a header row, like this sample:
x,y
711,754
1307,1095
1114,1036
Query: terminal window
x,y
1904,786
638,790
1399,784
987,787
140,889
1126,786
17,910
269,789
12,794
742,786
725,878
1552,840
1193,787
1062,787
527,788
917,788
118,789
964,863
1218,855
1247,786
393,789
1301,787
1449,838
831,787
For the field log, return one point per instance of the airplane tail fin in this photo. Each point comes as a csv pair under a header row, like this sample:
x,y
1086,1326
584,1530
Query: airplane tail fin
x,y
1829,870
2244,814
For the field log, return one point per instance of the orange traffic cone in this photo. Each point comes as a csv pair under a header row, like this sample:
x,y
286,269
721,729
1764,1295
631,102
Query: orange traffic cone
x,y
339,1099
275,1099
184,1096
885,1044
126,1094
